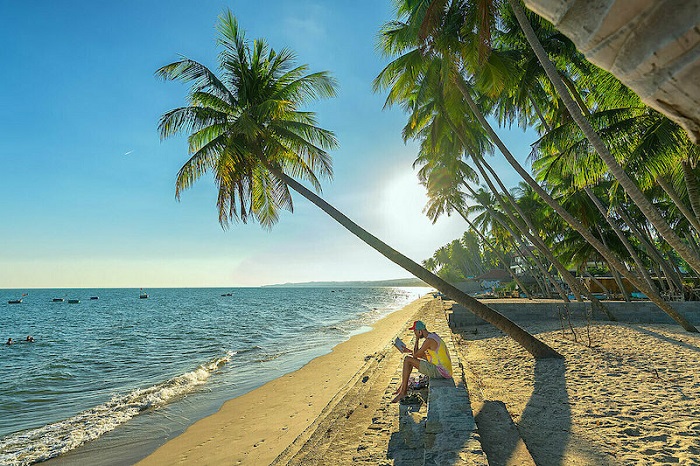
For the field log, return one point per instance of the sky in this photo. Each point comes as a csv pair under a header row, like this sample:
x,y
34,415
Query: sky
x,y
87,187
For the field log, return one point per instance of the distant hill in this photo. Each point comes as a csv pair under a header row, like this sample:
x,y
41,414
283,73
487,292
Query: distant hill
x,y
404,282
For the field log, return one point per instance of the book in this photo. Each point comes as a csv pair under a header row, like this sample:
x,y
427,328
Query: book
x,y
400,345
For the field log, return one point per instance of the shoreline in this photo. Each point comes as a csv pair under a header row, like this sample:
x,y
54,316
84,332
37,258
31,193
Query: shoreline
x,y
240,433
619,382
625,393
334,318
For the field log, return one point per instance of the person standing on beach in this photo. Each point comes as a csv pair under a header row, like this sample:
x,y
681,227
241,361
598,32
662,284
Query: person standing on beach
x,y
431,359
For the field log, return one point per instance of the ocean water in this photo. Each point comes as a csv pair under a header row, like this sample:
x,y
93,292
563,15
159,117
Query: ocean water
x,y
108,380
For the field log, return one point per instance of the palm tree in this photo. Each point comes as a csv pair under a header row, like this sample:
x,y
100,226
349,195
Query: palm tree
x,y
445,43
655,148
444,196
577,113
246,128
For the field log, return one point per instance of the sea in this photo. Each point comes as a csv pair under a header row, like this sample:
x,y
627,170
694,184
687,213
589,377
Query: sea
x,y
108,380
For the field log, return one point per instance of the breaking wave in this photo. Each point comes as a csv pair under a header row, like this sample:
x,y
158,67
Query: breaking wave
x,y
49,441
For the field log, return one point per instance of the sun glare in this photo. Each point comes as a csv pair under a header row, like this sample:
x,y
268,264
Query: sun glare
x,y
401,209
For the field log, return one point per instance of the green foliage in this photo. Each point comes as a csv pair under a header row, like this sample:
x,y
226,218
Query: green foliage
x,y
463,258
436,45
247,120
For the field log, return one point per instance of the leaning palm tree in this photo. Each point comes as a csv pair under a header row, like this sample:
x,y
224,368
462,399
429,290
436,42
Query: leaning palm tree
x,y
448,41
579,115
246,128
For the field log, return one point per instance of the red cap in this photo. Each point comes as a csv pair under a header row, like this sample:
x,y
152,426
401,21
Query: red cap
x,y
417,325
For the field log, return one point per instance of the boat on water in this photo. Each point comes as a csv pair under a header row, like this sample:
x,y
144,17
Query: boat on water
x,y
227,294
15,301
94,298
143,296
73,301
58,300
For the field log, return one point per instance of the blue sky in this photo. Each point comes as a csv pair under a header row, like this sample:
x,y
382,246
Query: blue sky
x,y
87,187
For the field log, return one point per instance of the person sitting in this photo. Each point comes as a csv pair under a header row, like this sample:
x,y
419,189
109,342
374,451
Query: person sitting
x,y
431,359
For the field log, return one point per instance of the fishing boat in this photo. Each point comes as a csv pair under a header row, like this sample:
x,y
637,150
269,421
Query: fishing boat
x,y
57,300
17,301
73,301
227,294
143,295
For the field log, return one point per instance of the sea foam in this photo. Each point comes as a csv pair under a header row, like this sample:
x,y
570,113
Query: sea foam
x,y
32,446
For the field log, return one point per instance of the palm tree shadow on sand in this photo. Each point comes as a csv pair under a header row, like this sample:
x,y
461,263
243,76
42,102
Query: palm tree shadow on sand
x,y
667,339
545,423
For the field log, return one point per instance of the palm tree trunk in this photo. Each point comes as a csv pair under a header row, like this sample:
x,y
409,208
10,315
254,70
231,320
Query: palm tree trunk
x,y
524,229
653,253
540,280
620,283
540,246
613,272
623,238
649,211
528,229
524,247
599,283
570,219
691,186
500,255
534,346
575,285
668,189
539,114
691,241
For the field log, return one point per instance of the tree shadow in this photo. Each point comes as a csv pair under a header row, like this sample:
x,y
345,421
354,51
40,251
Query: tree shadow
x,y
407,445
499,436
667,339
545,423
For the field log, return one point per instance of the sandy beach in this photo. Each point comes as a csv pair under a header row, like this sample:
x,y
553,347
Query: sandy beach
x,y
629,398
255,428
624,394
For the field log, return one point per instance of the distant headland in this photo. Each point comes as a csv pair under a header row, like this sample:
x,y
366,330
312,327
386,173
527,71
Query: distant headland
x,y
402,282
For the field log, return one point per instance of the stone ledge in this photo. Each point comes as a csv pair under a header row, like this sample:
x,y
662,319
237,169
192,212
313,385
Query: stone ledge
x,y
450,429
